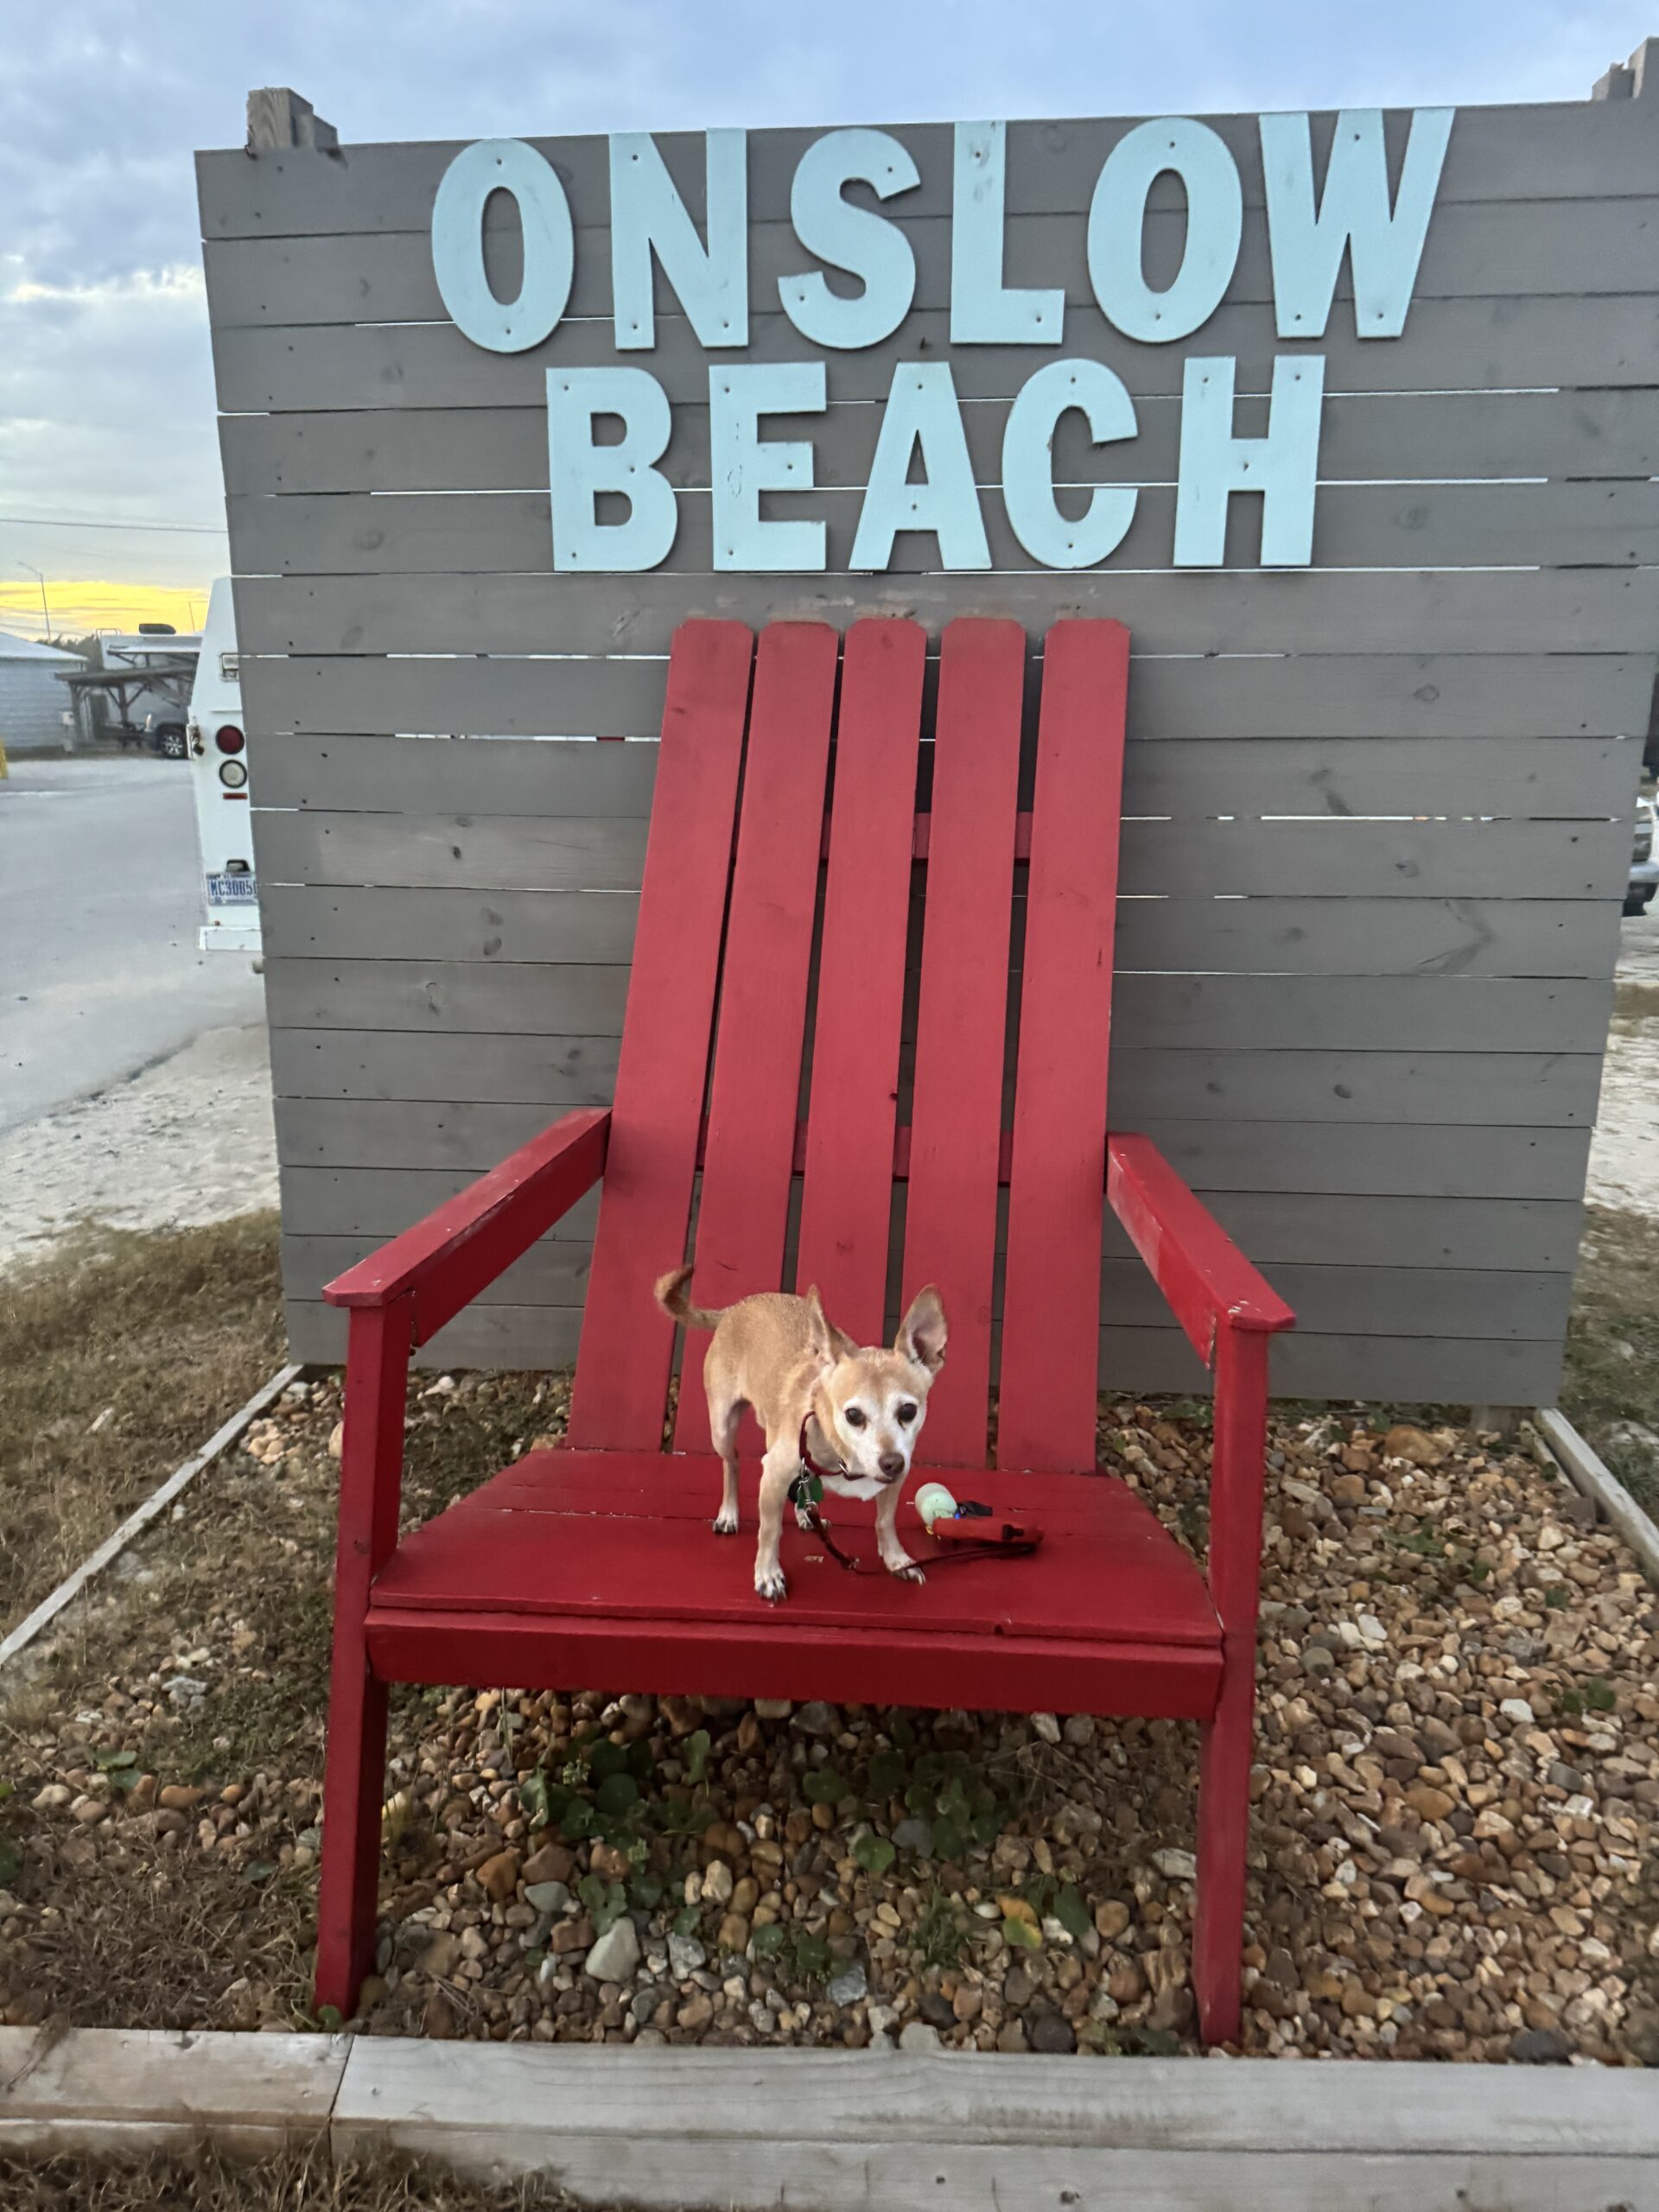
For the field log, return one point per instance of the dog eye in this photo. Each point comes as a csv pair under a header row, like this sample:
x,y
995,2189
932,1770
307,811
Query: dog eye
x,y
853,1417
904,1416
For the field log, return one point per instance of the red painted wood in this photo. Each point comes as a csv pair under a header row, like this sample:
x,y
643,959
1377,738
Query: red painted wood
x,y
371,1473
578,1532
743,1211
983,1673
956,1125
621,1382
1206,1280
1236,1480
846,1205
1051,1294
464,1244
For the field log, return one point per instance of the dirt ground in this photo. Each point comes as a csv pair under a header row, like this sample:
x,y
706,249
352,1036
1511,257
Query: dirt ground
x,y
188,1142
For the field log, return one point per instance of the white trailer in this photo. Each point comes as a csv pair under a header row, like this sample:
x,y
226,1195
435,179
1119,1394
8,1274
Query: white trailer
x,y
219,771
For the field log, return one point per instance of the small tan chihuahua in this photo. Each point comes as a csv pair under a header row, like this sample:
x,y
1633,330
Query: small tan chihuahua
x,y
861,1407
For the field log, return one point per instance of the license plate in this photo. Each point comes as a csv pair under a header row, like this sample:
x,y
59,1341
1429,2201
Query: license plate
x,y
232,891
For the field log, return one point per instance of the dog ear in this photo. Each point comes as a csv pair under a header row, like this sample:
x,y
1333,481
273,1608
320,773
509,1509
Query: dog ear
x,y
922,1333
826,1343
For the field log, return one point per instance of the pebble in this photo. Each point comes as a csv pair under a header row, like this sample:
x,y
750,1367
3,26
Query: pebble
x,y
818,1718
917,2034
1047,1726
614,1956
1176,1866
1540,2047
547,1897
686,1955
848,1988
914,1835
498,1876
1050,2031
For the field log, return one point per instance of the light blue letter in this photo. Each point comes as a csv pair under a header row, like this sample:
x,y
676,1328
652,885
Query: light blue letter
x,y
1028,464
1215,220
647,215
744,465
922,414
983,312
1384,248
579,470
1284,465
503,165
854,239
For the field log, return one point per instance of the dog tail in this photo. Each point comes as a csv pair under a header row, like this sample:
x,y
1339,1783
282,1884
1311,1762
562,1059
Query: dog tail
x,y
671,1296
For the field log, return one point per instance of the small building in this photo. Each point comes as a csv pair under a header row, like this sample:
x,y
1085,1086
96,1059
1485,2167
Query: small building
x,y
34,712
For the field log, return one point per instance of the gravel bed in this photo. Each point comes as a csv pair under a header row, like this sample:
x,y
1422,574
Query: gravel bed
x,y
1454,1851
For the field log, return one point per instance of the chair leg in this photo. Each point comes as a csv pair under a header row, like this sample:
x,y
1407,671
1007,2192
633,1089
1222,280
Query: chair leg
x,y
354,1778
1223,1836
354,1788
1236,1480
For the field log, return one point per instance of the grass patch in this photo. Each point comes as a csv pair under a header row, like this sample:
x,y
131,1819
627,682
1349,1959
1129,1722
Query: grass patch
x,y
1612,1346
302,2180
118,1355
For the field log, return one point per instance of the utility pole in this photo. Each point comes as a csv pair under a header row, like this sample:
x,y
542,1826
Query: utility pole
x,y
46,611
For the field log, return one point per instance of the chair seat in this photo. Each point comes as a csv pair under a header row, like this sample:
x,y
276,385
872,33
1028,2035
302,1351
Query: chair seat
x,y
573,1567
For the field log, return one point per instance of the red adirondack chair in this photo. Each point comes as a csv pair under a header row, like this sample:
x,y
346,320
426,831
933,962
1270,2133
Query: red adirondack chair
x,y
595,1562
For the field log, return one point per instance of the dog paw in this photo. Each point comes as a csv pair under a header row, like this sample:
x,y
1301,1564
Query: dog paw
x,y
905,1569
725,1524
769,1584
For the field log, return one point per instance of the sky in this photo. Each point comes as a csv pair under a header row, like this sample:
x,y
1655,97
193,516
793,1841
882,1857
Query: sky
x,y
106,399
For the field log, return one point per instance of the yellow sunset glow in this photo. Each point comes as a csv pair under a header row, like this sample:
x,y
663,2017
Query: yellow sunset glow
x,y
78,605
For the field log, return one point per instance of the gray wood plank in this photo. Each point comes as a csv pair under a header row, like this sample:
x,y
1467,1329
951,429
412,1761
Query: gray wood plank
x,y
1330,855
1328,1301
1554,778
1396,1013
355,1063
488,852
1421,617
1537,1235
1411,437
1261,1155
1337,936
1447,1371
1509,343
580,781
1474,250
1149,1090
368,923
1356,526
1570,149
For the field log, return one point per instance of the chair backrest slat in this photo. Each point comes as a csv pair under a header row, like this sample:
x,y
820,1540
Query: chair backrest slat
x,y
955,1122
847,1202
748,1154
621,1386
1050,1297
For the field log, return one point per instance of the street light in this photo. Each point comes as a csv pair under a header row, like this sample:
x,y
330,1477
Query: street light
x,y
40,577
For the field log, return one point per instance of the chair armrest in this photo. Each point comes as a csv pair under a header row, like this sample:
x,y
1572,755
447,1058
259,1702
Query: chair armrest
x,y
442,1263
1206,1280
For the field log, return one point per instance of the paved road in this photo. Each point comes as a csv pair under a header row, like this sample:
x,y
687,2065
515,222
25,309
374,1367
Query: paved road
x,y
100,974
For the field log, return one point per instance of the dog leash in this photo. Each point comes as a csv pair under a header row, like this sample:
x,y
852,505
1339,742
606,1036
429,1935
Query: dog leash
x,y
807,1489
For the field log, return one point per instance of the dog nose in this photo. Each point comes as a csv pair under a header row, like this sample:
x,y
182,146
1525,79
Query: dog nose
x,y
892,1464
